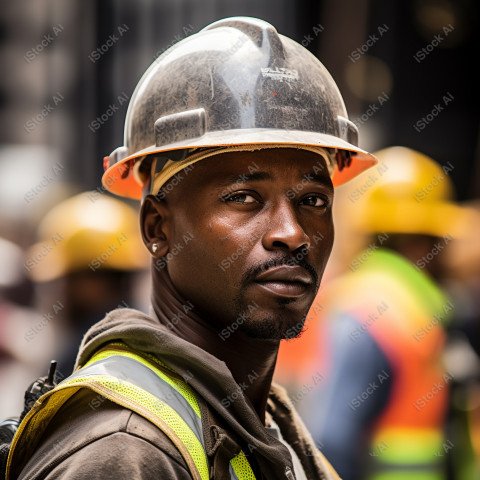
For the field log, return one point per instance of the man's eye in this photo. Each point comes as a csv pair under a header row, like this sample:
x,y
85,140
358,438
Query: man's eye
x,y
243,198
315,201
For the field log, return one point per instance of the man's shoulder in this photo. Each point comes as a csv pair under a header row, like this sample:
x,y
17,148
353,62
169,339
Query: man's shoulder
x,y
92,435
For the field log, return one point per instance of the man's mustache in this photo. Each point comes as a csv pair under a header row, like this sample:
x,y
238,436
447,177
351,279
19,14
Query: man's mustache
x,y
284,260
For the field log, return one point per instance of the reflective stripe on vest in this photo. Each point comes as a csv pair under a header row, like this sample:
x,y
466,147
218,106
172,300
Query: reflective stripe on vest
x,y
412,453
145,386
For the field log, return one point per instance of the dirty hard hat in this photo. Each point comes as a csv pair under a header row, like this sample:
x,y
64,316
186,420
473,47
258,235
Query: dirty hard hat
x,y
236,83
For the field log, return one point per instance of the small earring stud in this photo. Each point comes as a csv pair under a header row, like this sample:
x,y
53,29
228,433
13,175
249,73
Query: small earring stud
x,y
154,247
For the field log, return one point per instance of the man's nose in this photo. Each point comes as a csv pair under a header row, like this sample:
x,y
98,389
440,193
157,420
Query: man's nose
x,y
284,230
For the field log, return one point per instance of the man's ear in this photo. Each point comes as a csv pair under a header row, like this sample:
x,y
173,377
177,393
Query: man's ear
x,y
155,225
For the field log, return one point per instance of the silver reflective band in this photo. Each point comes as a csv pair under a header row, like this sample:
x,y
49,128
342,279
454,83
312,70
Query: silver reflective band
x,y
129,370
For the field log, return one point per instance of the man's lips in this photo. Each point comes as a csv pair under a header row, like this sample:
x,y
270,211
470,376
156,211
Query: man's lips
x,y
285,273
285,281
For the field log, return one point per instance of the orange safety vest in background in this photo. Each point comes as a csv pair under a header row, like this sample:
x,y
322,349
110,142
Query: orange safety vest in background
x,y
403,310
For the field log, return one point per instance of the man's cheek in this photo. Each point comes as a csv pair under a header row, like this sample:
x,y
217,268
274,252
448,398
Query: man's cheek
x,y
322,244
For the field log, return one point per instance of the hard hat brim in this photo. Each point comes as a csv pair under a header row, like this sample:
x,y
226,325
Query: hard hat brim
x,y
119,178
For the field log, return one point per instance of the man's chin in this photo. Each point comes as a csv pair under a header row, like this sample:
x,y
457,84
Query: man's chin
x,y
269,328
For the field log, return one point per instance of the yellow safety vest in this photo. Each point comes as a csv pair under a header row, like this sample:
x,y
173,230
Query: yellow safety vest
x,y
144,385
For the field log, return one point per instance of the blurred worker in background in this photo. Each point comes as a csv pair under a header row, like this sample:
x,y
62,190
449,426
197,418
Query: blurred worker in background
x,y
87,260
462,356
23,355
382,406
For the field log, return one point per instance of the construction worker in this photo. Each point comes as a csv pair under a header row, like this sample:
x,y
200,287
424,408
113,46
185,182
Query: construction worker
x,y
234,140
21,354
382,407
86,262
462,356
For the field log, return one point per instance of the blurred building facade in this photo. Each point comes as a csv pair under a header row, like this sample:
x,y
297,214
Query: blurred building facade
x,y
403,69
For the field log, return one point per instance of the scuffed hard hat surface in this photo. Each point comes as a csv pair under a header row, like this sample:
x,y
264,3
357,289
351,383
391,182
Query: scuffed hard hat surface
x,y
245,75
236,82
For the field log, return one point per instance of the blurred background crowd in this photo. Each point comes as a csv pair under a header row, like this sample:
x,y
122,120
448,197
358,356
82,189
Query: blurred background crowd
x,y
387,373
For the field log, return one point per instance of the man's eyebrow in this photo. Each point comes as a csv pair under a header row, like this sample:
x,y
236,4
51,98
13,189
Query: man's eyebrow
x,y
316,177
245,177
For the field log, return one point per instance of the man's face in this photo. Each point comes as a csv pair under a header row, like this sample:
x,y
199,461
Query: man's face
x,y
249,235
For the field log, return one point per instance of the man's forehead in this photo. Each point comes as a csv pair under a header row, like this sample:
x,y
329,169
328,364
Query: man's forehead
x,y
264,165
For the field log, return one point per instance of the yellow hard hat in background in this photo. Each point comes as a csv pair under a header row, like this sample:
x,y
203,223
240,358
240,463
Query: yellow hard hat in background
x,y
89,231
408,192
463,255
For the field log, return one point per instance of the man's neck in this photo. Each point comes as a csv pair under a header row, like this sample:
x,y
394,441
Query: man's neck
x,y
251,361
